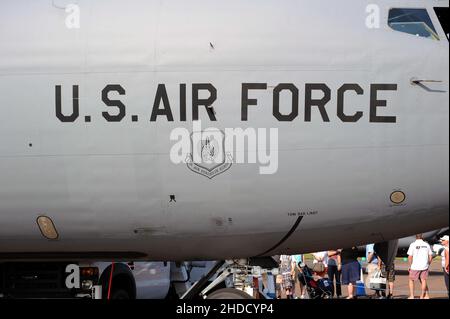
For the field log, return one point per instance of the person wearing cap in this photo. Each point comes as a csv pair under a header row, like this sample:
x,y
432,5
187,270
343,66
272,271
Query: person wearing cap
x,y
420,256
444,242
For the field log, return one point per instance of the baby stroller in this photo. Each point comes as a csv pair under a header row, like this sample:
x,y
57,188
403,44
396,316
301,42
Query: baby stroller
x,y
317,288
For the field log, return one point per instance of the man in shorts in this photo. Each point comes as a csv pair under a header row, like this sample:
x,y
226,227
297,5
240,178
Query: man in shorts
x,y
389,274
287,272
444,255
420,256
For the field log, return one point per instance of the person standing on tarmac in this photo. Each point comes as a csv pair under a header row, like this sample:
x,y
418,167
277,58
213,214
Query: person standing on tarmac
x,y
287,272
372,267
389,273
334,272
297,260
420,256
444,242
351,270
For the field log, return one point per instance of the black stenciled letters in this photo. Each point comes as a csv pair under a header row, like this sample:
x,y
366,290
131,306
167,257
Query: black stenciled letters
x,y
161,95
75,105
207,103
245,101
276,102
113,103
375,103
320,103
340,103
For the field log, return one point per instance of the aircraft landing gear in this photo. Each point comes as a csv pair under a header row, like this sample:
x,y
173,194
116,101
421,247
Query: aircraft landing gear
x,y
387,251
229,293
242,279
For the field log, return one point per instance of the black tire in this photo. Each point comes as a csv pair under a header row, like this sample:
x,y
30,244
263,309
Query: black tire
x,y
229,293
172,294
120,294
327,296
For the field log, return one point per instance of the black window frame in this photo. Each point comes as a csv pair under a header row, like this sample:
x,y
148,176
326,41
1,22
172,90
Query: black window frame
x,y
442,14
413,15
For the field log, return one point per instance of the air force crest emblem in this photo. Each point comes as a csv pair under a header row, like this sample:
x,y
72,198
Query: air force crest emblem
x,y
209,157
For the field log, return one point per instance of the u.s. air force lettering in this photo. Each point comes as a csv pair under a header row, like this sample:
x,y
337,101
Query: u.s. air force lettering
x,y
205,95
209,157
208,154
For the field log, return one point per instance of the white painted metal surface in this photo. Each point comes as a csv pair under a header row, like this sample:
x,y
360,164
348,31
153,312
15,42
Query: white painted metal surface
x,y
106,186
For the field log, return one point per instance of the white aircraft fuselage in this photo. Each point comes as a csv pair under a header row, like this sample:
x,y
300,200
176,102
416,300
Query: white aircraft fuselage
x,y
87,113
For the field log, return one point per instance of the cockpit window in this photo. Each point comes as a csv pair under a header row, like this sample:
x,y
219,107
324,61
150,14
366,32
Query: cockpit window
x,y
412,21
442,14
